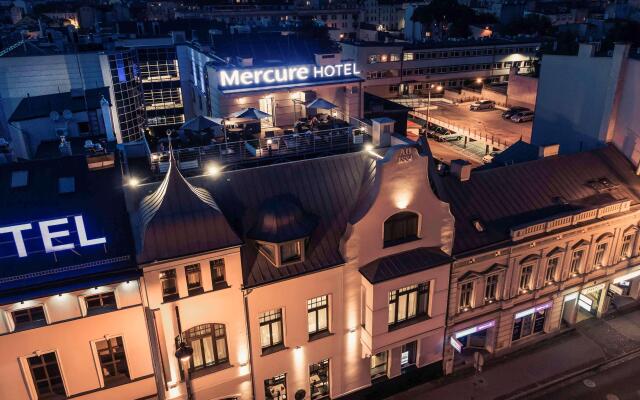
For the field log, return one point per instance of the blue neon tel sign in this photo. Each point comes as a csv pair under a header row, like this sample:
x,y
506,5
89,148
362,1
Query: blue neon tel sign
x,y
54,233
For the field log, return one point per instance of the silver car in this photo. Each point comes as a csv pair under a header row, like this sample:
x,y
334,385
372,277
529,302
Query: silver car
x,y
523,116
482,105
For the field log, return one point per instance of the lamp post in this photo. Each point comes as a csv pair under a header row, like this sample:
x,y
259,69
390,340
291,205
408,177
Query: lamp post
x,y
437,88
184,354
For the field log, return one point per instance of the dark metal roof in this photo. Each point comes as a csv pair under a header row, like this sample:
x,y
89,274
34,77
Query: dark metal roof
x,y
502,198
281,219
179,219
325,188
405,263
41,106
97,197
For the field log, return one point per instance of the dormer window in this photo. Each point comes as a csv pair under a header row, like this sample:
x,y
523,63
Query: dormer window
x,y
283,253
400,228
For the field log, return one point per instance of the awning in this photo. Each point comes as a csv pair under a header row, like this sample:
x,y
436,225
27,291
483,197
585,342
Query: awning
x,y
322,103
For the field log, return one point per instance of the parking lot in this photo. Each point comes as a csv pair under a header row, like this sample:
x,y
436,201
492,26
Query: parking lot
x,y
485,125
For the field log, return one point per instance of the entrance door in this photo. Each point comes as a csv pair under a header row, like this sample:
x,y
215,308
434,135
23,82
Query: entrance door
x,y
266,105
569,309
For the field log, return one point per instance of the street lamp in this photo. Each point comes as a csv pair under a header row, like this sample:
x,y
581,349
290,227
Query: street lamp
x,y
184,354
430,87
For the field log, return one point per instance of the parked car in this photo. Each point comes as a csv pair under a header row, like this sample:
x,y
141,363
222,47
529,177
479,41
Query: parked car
x,y
513,111
438,130
482,105
447,136
523,116
489,157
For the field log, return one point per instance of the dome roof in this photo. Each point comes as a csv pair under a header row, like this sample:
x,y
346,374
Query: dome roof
x,y
281,219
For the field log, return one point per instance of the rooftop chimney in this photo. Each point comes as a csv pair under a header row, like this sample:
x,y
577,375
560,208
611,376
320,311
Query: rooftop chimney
x,y
548,150
461,169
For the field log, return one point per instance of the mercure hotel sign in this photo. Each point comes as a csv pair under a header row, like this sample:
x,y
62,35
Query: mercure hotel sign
x,y
255,78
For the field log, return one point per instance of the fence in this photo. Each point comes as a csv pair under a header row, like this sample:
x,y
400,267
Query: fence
x,y
262,150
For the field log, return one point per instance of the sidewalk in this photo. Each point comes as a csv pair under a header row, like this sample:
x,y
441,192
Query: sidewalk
x,y
590,344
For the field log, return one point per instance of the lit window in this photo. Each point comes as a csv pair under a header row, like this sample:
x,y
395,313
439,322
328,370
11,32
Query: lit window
x,y
318,315
319,380
194,279
379,365
400,228
552,267
466,291
169,285
209,344
276,388
218,274
576,261
525,277
271,329
113,361
408,302
598,259
627,241
529,324
491,288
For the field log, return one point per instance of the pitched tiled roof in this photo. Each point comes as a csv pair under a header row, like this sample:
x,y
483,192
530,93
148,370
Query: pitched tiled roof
x,y
405,263
179,219
502,198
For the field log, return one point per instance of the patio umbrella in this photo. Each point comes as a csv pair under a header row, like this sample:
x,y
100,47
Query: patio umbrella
x,y
322,103
250,113
201,123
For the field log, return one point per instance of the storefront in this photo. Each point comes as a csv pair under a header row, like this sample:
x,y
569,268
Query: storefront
x,y
583,304
478,338
625,289
530,322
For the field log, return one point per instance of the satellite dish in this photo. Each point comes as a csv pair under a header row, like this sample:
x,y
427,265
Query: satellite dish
x,y
54,115
67,114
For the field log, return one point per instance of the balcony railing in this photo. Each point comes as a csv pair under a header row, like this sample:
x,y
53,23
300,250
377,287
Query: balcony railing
x,y
263,150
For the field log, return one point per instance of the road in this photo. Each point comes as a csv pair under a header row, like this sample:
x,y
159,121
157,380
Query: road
x,y
485,123
620,382
447,151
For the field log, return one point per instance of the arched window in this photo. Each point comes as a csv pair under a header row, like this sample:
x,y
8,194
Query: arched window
x,y
209,344
400,228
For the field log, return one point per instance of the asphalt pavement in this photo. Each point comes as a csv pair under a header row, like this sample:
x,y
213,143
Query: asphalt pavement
x,y
617,382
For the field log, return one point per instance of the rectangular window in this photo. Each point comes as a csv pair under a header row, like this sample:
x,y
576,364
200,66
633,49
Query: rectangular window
x,y
491,288
99,303
209,344
379,365
169,285
408,355
318,315
276,387
576,262
466,291
271,329
218,274
527,325
319,380
46,376
290,251
29,318
113,361
552,267
598,259
408,56
627,241
525,277
394,57
194,279
408,302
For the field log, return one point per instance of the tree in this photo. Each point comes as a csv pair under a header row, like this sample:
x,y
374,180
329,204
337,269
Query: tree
x,y
531,24
447,15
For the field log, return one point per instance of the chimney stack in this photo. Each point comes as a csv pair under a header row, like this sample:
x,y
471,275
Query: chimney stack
x,y
461,169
